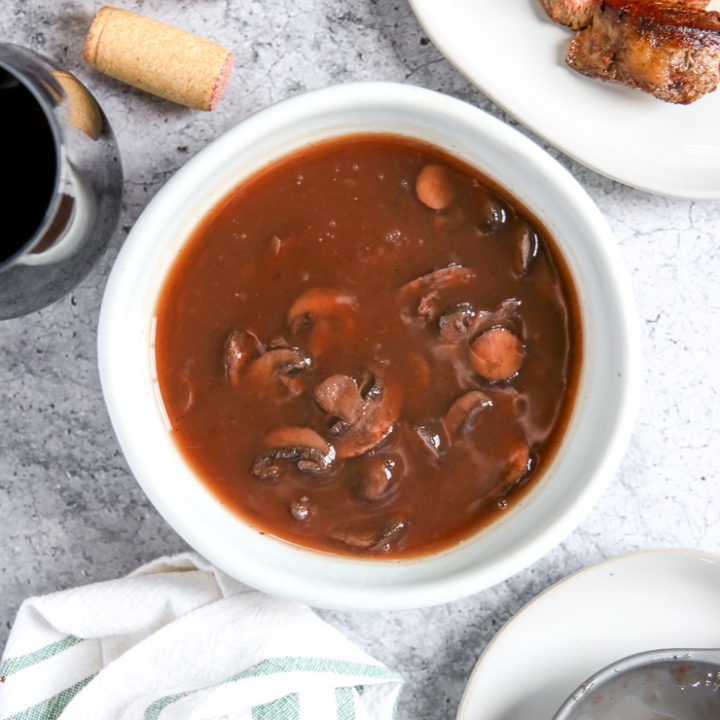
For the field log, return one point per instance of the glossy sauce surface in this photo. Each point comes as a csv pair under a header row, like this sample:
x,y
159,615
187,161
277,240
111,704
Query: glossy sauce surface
x,y
368,348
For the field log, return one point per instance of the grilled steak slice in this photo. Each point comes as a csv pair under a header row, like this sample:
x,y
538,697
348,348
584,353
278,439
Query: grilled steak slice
x,y
575,13
665,49
578,13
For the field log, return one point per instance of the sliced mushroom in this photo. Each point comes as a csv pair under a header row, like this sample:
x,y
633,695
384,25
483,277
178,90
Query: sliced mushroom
x,y
280,368
527,246
241,346
371,537
427,290
375,477
327,316
313,454
450,276
317,303
380,409
462,416
434,187
492,214
505,315
340,397
459,323
507,311
462,322
519,464
496,354
429,439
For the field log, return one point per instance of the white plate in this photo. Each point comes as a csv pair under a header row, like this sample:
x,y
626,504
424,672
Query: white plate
x,y
646,601
515,55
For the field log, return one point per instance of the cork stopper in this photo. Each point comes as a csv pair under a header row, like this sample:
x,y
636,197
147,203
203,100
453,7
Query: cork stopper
x,y
158,58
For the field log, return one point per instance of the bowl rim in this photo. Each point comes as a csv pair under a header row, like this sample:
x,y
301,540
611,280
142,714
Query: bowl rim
x,y
380,594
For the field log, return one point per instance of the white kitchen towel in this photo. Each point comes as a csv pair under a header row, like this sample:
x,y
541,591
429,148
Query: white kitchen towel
x,y
178,639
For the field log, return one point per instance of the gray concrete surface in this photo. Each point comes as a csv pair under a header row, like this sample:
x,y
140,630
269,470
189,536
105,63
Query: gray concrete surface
x,y
70,512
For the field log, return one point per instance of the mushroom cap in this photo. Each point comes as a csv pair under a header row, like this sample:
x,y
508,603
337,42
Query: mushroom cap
x,y
459,323
526,247
375,477
496,354
320,302
427,289
376,536
434,186
279,368
339,396
240,347
461,417
429,439
327,315
314,455
519,464
491,213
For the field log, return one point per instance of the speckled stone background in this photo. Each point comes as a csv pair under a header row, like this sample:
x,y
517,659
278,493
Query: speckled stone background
x,y
70,512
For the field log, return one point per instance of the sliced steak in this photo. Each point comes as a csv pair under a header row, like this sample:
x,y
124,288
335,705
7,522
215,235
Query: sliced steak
x,y
578,13
575,13
668,50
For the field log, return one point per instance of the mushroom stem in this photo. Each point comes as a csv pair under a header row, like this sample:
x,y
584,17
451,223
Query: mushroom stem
x,y
340,397
373,422
427,288
279,368
240,347
373,537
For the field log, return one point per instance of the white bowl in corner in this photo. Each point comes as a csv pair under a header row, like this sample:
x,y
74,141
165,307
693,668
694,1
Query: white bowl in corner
x,y
604,410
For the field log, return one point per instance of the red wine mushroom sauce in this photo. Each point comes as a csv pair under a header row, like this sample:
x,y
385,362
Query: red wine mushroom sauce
x,y
369,348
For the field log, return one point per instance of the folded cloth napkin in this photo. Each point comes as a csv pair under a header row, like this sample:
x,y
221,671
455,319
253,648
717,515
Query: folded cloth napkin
x,y
179,639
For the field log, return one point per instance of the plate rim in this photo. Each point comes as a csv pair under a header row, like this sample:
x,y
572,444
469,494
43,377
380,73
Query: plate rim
x,y
661,189
596,567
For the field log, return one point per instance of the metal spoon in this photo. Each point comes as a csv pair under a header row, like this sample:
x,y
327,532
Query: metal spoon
x,y
655,685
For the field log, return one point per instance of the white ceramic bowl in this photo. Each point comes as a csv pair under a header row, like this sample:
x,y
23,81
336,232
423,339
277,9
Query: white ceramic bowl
x,y
604,410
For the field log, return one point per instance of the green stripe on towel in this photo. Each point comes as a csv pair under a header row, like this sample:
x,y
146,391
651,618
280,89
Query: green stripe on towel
x,y
285,708
51,708
345,701
15,664
395,707
277,666
316,665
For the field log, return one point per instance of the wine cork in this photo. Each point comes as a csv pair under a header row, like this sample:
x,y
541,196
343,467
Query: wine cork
x,y
158,58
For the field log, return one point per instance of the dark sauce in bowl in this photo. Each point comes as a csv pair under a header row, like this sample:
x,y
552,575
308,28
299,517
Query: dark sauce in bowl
x,y
369,348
